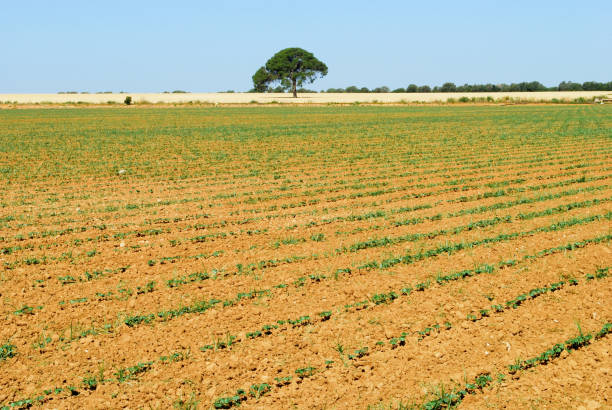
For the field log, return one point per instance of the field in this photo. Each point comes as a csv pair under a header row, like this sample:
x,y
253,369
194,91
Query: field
x,y
303,98
306,257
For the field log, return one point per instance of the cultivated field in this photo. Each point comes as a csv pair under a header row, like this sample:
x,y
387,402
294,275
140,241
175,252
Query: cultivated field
x,y
303,98
307,257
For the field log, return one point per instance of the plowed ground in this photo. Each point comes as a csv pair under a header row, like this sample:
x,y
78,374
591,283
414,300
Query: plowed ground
x,y
352,257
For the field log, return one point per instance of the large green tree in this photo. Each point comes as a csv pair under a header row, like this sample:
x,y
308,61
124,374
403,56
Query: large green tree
x,y
291,67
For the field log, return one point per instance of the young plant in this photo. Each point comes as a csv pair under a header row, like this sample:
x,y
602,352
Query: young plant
x,y
7,350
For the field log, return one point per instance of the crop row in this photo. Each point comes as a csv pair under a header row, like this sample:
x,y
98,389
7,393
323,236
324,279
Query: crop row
x,y
53,233
378,297
199,276
181,201
69,230
158,231
481,380
406,259
259,199
384,241
383,297
451,399
452,248
93,381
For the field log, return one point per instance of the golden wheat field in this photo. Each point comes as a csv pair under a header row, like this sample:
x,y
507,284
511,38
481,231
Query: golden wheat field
x,y
303,98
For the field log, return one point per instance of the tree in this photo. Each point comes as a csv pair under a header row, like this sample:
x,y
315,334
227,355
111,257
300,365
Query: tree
x,y
261,79
448,88
569,86
383,89
291,67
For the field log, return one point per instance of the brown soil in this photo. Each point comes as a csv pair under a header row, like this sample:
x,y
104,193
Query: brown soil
x,y
79,259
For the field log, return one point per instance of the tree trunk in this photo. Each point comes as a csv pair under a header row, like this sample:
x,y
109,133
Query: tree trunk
x,y
294,88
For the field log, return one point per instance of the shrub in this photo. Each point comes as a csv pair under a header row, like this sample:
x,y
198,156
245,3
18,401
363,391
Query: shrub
x,y
128,100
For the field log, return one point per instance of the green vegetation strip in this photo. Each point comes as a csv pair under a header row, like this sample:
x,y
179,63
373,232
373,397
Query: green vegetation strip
x,y
388,297
201,276
444,400
375,299
91,381
353,248
385,241
106,237
449,249
204,305
453,398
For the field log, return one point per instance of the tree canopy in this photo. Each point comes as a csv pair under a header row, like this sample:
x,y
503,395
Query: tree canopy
x,y
291,67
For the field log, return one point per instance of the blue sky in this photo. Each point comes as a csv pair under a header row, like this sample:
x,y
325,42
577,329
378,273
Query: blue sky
x,y
207,46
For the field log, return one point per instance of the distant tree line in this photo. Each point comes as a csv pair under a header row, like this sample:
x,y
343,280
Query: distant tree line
x,y
452,88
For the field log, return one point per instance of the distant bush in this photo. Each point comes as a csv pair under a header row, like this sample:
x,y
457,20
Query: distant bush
x,y
180,92
128,100
570,86
383,89
464,99
448,88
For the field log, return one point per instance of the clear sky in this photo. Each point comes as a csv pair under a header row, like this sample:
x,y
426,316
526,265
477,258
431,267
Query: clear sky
x,y
207,46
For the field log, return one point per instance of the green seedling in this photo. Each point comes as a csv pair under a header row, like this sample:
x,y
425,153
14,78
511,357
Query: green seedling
x,y
253,335
26,310
258,390
130,372
358,353
90,382
267,329
283,381
7,350
304,372
65,280
174,357
325,315
149,287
